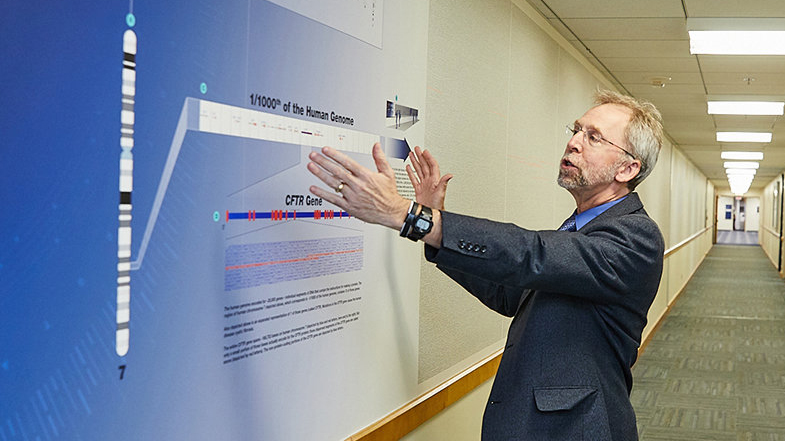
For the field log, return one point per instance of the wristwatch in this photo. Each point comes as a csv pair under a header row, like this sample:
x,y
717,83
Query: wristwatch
x,y
418,223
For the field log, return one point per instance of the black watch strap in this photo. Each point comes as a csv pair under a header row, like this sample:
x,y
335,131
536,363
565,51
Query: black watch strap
x,y
418,223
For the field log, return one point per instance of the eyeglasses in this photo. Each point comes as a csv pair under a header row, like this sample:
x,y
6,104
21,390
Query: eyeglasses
x,y
594,138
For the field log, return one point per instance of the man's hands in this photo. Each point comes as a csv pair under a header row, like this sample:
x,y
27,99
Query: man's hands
x,y
367,195
429,187
372,196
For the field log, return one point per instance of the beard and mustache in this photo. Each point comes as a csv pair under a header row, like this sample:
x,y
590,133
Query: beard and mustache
x,y
579,175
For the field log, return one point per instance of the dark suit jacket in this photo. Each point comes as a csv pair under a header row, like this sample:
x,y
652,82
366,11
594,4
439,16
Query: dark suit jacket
x,y
579,302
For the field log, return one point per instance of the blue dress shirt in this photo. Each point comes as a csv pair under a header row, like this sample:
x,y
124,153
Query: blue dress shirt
x,y
584,218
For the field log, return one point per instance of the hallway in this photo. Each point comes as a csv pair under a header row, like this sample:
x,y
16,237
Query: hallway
x,y
715,369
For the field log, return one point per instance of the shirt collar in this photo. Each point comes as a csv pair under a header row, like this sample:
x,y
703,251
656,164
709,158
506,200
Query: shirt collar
x,y
584,218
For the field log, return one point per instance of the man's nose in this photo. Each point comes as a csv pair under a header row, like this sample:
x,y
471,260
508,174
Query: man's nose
x,y
576,142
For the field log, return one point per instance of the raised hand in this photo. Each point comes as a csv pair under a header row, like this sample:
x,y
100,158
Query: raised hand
x,y
430,188
368,195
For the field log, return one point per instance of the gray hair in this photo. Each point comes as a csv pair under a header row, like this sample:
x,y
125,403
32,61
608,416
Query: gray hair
x,y
643,133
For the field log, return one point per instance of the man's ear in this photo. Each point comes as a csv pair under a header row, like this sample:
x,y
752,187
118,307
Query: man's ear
x,y
629,171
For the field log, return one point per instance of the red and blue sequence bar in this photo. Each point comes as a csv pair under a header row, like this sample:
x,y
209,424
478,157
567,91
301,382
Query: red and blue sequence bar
x,y
277,215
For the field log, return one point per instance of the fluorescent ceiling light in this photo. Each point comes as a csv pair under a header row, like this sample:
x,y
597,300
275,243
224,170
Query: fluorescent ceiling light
x,y
740,171
744,156
744,136
741,165
740,184
745,182
740,178
746,107
739,190
737,42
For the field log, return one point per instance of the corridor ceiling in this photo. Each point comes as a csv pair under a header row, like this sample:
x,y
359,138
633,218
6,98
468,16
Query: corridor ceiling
x,y
644,49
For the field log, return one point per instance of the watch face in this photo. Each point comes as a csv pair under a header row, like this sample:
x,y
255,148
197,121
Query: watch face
x,y
422,224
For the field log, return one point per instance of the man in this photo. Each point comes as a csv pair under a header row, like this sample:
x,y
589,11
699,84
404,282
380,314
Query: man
x,y
578,298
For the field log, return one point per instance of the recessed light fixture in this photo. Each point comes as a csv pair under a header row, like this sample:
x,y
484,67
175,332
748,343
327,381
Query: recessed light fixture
x,y
742,156
737,42
740,178
737,35
746,107
740,171
744,136
740,184
741,165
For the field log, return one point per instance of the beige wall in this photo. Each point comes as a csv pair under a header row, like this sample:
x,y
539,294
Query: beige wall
x,y
501,86
769,232
688,206
500,91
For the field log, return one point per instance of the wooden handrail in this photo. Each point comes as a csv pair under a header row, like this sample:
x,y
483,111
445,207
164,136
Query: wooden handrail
x,y
422,408
771,231
684,242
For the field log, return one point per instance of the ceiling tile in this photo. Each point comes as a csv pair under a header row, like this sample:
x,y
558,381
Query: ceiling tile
x,y
629,28
684,64
730,123
746,8
583,9
646,77
779,132
640,48
742,64
761,89
691,122
687,105
698,148
693,136
670,92
744,79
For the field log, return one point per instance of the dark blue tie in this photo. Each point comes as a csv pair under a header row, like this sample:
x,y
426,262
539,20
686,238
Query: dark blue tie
x,y
569,224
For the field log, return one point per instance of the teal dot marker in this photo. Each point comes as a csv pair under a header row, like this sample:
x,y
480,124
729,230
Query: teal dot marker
x,y
203,88
216,216
130,20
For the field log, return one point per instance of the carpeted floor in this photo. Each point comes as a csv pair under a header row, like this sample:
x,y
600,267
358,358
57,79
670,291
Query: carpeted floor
x,y
726,237
715,369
